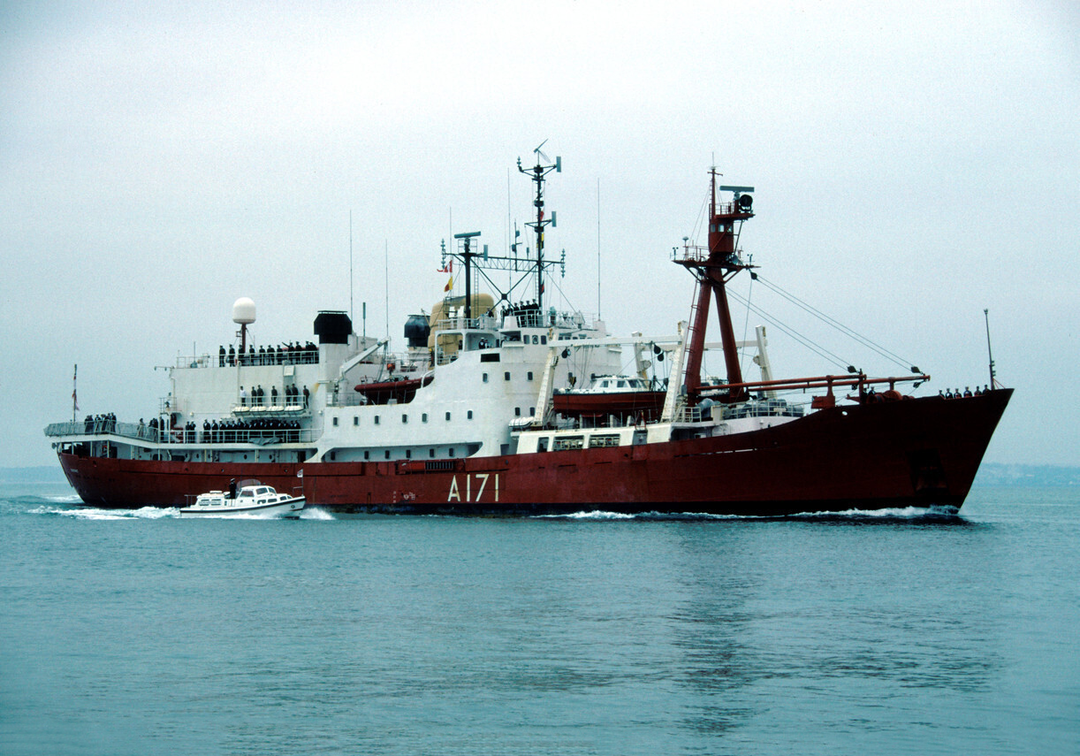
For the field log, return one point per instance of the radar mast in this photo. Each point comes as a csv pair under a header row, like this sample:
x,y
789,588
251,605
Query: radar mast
x,y
538,173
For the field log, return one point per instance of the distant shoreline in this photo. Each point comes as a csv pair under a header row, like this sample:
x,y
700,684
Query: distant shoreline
x,y
996,474
990,474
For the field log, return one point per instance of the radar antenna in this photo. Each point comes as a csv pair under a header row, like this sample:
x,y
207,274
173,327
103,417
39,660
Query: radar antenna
x,y
539,153
539,172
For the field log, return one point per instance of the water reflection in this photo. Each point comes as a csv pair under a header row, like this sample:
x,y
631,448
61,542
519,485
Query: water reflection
x,y
820,616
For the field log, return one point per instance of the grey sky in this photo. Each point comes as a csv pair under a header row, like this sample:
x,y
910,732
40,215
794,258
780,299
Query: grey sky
x,y
915,163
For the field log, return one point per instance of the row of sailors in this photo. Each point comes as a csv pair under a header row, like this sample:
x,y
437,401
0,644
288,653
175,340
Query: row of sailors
x,y
258,396
957,393
100,423
228,430
233,431
286,354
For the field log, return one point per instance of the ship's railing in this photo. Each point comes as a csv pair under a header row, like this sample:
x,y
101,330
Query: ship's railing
x,y
143,432
103,425
272,407
575,320
482,323
258,436
698,255
301,356
526,317
282,407
693,414
530,317
761,408
345,398
757,408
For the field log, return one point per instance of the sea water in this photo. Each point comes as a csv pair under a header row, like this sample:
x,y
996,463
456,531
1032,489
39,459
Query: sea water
x,y
904,632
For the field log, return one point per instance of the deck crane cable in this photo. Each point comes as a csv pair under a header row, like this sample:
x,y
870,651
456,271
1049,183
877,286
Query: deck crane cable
x,y
868,343
804,340
746,322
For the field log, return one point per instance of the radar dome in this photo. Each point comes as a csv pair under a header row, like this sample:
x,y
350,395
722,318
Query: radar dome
x,y
243,311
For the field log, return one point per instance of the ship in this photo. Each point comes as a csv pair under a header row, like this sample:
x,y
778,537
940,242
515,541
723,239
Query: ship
x,y
502,405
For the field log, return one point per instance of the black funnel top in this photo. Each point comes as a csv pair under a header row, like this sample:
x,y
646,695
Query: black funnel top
x,y
333,327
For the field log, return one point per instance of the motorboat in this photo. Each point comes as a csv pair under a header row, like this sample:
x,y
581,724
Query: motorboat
x,y
247,498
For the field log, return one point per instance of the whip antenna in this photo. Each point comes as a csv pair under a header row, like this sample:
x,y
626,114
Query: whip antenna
x,y
989,351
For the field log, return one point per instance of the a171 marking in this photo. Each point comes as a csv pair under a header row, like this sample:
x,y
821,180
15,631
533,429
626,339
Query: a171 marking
x,y
478,480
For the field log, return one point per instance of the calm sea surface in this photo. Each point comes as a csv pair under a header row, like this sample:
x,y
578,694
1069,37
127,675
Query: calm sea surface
x,y
137,632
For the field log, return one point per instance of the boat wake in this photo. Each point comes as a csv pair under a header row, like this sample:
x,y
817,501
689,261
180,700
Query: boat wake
x,y
71,498
596,514
905,514
93,513
315,513
600,515
69,506
895,513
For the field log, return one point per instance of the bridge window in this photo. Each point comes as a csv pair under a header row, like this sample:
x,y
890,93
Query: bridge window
x,y
565,443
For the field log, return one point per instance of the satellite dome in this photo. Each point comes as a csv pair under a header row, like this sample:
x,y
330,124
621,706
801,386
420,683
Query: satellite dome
x,y
243,311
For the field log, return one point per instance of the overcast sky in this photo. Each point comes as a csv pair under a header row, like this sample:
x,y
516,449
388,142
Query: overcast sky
x,y
915,163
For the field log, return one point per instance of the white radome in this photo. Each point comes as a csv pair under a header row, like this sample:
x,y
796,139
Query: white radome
x,y
243,311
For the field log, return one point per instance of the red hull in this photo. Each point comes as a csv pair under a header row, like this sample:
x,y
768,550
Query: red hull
x,y
129,484
916,452
919,452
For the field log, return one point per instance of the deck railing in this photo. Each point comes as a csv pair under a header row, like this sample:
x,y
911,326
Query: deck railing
x,y
295,357
135,431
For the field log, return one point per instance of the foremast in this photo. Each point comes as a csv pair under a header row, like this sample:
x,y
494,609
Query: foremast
x,y
713,268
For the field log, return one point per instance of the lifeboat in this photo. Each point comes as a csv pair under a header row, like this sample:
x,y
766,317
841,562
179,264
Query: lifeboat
x,y
611,395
